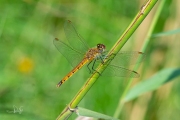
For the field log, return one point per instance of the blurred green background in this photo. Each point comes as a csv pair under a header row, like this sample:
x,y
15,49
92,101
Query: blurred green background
x,y
31,66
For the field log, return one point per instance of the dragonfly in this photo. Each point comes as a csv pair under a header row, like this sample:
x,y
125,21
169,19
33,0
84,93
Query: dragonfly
x,y
78,53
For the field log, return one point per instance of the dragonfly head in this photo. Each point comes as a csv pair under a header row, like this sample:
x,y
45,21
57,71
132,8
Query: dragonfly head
x,y
101,47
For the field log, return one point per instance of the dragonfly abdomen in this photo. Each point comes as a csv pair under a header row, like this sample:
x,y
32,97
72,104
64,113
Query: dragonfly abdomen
x,y
79,66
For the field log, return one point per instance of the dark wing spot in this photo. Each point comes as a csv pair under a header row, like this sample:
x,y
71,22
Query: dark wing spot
x,y
56,39
135,71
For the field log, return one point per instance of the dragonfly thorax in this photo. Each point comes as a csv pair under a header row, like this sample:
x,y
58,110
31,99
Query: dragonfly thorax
x,y
95,52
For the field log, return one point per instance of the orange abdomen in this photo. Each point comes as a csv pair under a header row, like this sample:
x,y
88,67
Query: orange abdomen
x,y
79,66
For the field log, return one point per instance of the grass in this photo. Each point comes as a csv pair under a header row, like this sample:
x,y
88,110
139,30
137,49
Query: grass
x,y
31,66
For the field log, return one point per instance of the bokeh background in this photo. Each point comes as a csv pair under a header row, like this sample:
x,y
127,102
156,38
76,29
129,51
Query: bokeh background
x,y
31,66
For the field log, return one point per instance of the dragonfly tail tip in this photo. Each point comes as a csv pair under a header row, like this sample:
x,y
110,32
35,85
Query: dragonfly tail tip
x,y
58,85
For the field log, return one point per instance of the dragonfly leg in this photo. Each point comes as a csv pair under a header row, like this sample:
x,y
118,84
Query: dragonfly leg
x,y
110,58
102,61
88,67
94,69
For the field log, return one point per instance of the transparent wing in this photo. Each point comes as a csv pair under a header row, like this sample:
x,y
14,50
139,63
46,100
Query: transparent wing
x,y
73,56
117,71
123,59
74,38
126,58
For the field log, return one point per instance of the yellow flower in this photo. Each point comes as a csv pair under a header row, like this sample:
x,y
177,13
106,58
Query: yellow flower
x,y
25,65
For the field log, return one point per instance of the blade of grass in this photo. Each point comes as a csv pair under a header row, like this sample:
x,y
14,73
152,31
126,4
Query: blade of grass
x,y
146,43
152,83
89,113
166,33
116,48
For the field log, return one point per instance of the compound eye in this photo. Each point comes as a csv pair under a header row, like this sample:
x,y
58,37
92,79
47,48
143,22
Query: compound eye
x,y
98,45
103,46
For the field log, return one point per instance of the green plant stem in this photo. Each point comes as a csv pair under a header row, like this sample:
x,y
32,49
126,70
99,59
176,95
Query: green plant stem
x,y
146,43
116,48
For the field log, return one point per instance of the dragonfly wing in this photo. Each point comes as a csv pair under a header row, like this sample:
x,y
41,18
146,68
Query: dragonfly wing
x,y
73,56
117,71
74,38
126,58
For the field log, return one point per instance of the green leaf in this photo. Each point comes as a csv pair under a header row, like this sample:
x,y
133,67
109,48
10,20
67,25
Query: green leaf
x,y
166,33
88,113
152,83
